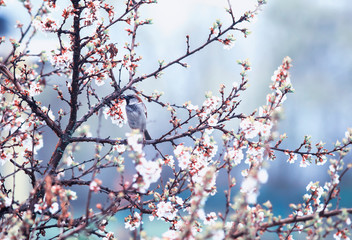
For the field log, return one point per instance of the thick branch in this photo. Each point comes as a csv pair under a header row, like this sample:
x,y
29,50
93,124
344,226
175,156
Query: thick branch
x,y
64,139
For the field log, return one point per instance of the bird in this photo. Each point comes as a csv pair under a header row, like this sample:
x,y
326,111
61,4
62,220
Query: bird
x,y
136,114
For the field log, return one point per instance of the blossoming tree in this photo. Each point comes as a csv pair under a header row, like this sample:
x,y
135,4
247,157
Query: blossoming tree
x,y
85,60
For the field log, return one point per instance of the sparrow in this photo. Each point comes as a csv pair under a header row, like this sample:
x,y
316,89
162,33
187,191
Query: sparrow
x,y
136,114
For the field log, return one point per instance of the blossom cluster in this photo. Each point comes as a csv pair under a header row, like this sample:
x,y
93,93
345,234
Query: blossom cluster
x,y
61,59
92,14
234,154
116,113
171,184
281,84
252,127
148,171
209,108
45,24
197,161
133,222
50,202
28,144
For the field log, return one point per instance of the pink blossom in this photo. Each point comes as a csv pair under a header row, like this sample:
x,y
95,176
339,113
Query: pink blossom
x,y
254,155
169,160
38,208
4,157
71,195
304,163
251,127
92,13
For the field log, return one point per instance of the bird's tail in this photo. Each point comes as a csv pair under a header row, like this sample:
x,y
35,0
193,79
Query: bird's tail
x,y
146,135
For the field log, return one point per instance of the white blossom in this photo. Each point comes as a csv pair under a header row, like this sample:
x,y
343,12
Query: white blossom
x,y
210,218
54,208
166,210
134,222
134,141
171,235
149,171
263,176
249,188
61,59
235,155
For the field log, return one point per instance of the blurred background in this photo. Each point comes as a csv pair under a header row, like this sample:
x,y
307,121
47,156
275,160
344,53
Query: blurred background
x,y
317,35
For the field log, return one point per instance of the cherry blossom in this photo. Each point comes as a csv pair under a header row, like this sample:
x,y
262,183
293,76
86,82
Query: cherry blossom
x,y
91,15
218,234
166,210
210,218
109,236
134,222
213,120
134,141
45,23
116,113
229,42
171,235
263,176
150,172
190,106
172,178
234,155
61,59
341,235
209,105
183,156
54,208
249,187
71,195
292,157
95,185
38,208
169,160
